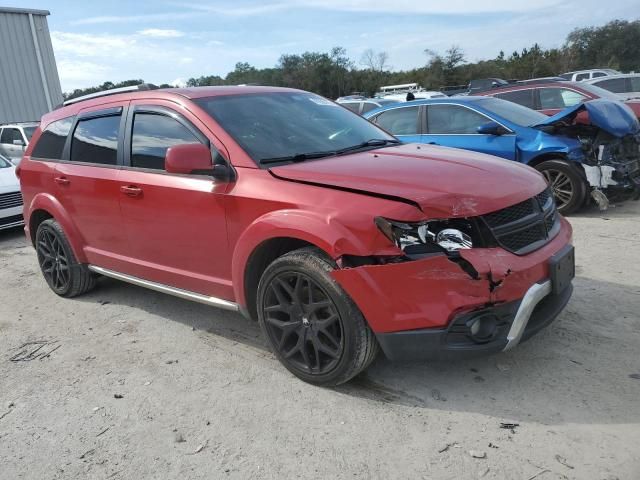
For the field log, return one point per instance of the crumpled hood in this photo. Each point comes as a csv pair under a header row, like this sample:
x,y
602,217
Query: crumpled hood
x,y
441,181
615,118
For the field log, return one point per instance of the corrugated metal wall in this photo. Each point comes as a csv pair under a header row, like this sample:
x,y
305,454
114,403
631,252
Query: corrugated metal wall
x,y
22,93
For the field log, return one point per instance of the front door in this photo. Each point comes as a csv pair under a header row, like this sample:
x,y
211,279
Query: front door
x,y
175,224
456,126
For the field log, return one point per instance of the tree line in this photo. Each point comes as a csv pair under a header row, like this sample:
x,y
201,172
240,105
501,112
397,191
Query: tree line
x,y
333,74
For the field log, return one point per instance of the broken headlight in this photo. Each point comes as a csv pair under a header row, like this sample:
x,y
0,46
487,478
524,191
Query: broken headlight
x,y
429,236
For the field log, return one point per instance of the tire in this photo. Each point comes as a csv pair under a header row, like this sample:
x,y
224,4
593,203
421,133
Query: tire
x,y
311,324
569,187
62,272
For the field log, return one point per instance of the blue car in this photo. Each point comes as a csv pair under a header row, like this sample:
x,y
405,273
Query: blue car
x,y
580,161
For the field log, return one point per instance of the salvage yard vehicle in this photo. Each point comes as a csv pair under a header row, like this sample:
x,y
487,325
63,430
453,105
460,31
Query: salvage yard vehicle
x,y
625,85
10,197
14,139
600,160
582,75
364,105
552,97
282,205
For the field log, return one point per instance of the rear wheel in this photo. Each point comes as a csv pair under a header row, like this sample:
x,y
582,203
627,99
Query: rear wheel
x,y
64,275
312,325
569,188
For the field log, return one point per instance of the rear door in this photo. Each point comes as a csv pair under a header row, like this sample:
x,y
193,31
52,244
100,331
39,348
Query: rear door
x,y
87,183
402,122
175,224
456,126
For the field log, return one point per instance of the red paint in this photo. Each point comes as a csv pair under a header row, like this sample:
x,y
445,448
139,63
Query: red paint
x,y
197,233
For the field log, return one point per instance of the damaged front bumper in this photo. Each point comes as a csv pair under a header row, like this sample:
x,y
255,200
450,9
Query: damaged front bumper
x,y
427,308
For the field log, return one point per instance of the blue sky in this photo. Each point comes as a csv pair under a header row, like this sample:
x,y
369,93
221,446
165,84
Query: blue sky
x,y
170,41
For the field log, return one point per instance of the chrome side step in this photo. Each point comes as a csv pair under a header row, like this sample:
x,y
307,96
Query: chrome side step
x,y
159,287
534,295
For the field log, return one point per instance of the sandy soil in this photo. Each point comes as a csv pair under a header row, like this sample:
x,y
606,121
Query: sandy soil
x,y
201,396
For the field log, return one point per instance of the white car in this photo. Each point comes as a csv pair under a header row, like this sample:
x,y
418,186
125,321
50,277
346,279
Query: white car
x,y
582,75
10,196
626,85
417,95
14,139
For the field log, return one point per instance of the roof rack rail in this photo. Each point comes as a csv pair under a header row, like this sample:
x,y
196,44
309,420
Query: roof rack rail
x,y
113,91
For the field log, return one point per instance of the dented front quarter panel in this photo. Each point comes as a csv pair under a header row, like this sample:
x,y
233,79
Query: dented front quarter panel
x,y
428,293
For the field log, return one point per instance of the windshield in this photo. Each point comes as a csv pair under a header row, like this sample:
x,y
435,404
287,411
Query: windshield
x,y
599,91
28,131
513,112
290,125
4,163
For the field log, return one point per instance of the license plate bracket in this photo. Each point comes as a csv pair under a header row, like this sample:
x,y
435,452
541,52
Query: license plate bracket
x,y
562,269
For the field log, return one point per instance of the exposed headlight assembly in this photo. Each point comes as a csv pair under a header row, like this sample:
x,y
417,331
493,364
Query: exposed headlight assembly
x,y
427,237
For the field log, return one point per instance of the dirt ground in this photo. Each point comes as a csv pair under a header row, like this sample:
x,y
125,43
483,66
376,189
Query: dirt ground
x,y
131,384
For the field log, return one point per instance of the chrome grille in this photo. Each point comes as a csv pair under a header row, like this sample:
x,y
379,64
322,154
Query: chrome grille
x,y
525,226
10,200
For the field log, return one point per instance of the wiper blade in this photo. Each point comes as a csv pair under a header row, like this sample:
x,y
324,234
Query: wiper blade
x,y
298,157
374,142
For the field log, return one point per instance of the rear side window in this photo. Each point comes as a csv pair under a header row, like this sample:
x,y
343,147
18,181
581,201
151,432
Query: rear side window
x,y
559,98
152,135
635,84
453,120
582,76
95,140
399,121
353,106
615,85
521,97
599,74
368,106
51,142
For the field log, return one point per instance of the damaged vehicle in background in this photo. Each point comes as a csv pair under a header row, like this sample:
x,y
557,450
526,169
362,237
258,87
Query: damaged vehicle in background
x,y
302,215
599,161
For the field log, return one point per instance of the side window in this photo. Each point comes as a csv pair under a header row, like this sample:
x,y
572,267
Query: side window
x,y
521,97
368,106
635,84
400,121
615,85
152,135
453,119
559,98
11,134
95,140
51,142
598,74
353,106
582,76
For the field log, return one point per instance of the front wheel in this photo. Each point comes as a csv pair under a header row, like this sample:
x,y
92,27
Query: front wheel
x,y
569,188
312,325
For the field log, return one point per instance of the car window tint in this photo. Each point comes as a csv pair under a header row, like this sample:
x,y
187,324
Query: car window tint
x,y
152,135
521,97
399,121
599,74
635,84
559,98
582,76
51,142
353,106
615,85
95,140
9,135
453,119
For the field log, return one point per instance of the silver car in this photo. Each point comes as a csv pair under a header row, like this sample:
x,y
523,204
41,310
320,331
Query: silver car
x,y
14,139
10,196
626,85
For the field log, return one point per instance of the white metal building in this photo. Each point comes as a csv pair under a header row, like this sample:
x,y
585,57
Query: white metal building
x,y
29,83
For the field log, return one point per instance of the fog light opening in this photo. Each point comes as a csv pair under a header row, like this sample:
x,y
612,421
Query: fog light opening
x,y
483,328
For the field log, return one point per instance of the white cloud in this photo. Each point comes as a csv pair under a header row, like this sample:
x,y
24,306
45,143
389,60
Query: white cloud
x,y
160,33
178,82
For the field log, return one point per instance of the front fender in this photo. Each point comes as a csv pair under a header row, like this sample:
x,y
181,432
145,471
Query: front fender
x,y
545,145
50,204
324,231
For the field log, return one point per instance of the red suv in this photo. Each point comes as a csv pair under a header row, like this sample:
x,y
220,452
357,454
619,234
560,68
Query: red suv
x,y
302,215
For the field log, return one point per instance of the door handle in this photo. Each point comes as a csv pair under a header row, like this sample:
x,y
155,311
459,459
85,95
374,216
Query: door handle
x,y
62,180
131,190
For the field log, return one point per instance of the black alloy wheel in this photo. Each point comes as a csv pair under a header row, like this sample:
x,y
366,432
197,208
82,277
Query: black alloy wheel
x,y
303,322
53,260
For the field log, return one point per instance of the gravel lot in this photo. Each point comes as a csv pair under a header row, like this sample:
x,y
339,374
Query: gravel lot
x,y
202,397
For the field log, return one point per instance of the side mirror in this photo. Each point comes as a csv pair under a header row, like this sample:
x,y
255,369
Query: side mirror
x,y
491,128
19,143
188,158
